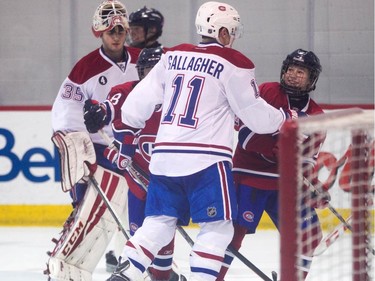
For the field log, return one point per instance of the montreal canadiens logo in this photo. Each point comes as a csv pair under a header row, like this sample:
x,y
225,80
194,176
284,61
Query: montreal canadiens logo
x,y
248,216
222,8
145,145
133,226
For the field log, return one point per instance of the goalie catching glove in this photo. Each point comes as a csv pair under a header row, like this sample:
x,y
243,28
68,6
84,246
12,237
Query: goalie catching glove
x,y
123,147
96,115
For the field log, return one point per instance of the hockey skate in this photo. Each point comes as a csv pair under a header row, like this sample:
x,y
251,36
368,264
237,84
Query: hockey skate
x,y
176,277
117,274
110,261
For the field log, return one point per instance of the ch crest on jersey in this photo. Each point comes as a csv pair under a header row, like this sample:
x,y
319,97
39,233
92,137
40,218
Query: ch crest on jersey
x,y
146,144
248,216
211,211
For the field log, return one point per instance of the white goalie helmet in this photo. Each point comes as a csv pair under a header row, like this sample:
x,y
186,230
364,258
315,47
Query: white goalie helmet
x,y
109,14
212,16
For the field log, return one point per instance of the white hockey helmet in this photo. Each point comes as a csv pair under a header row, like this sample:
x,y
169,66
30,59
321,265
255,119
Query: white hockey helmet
x,y
212,16
109,14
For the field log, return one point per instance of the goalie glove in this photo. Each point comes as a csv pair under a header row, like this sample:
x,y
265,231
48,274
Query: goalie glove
x,y
96,115
123,147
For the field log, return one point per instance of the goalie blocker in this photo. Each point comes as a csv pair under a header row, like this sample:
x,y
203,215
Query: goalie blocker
x,y
90,227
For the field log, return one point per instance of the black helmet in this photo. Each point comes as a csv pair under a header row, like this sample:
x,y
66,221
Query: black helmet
x,y
305,59
147,17
147,58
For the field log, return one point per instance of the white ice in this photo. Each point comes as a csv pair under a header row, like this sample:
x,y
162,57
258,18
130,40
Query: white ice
x,y
23,256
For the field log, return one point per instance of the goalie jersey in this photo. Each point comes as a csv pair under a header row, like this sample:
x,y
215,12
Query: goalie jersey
x,y
201,88
91,78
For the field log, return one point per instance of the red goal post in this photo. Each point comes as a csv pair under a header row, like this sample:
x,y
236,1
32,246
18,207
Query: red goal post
x,y
345,167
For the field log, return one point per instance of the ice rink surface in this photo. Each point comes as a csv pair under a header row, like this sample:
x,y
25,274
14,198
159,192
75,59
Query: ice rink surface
x,y
23,256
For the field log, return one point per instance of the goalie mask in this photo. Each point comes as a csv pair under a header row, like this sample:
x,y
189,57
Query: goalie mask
x,y
212,16
109,14
306,59
147,60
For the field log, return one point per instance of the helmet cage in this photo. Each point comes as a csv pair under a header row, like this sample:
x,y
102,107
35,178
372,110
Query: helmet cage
x,y
212,16
306,59
109,14
148,58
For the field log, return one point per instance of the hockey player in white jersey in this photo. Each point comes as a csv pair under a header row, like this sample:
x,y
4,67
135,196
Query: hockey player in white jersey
x,y
201,89
91,78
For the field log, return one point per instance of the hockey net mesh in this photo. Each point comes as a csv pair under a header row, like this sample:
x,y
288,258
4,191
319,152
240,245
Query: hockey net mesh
x,y
344,168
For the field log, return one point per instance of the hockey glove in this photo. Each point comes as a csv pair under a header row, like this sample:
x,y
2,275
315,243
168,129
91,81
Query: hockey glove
x,y
320,200
316,196
96,115
123,147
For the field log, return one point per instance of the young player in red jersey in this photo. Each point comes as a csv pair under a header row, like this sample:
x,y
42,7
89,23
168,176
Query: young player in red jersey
x,y
255,164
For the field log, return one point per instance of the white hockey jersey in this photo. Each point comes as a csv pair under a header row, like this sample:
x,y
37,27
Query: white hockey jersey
x,y
201,89
91,78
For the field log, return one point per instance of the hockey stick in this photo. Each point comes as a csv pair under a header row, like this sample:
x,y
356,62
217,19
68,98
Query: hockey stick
x,y
335,212
328,240
143,179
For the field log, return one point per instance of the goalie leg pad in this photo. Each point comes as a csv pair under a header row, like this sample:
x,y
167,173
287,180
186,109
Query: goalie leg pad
x,y
86,236
60,270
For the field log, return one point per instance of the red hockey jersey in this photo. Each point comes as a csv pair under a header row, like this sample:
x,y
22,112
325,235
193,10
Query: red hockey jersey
x,y
255,159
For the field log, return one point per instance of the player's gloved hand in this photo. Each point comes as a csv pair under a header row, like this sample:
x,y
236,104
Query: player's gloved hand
x,y
320,199
123,147
95,115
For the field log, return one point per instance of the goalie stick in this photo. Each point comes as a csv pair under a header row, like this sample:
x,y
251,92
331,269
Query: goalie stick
x,y
143,179
335,212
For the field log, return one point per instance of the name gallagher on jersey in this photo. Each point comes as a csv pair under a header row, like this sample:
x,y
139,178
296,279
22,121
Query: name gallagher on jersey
x,y
206,65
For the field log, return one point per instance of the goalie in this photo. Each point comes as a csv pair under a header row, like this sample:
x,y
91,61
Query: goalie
x,y
90,225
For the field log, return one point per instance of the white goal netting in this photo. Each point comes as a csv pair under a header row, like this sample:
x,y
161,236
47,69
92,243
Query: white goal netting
x,y
344,248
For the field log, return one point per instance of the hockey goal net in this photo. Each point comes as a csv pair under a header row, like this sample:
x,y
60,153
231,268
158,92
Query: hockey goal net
x,y
345,168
